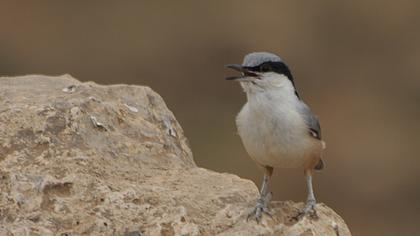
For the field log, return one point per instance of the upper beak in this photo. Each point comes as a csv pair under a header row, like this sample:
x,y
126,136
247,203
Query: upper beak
x,y
236,67
240,68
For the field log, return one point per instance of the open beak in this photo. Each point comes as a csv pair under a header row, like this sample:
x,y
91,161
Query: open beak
x,y
245,72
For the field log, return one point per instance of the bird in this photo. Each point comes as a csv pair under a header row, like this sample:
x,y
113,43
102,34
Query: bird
x,y
277,128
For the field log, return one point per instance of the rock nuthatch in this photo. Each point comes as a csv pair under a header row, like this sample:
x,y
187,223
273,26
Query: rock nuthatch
x,y
276,127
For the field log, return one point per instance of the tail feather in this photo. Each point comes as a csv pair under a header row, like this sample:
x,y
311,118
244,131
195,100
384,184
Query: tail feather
x,y
320,165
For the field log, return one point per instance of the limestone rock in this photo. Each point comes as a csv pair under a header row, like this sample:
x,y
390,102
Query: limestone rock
x,y
85,159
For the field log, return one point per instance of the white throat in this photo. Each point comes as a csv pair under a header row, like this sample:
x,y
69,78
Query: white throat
x,y
272,88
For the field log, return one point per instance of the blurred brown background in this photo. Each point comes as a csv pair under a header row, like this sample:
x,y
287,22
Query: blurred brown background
x,y
355,63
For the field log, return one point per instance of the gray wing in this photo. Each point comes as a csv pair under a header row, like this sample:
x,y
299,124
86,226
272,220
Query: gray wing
x,y
314,129
311,121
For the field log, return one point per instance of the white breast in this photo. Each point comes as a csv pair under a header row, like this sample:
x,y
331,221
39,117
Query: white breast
x,y
272,130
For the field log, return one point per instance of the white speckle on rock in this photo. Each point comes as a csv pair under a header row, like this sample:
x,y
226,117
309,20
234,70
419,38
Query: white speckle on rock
x,y
131,108
92,98
97,124
70,89
169,128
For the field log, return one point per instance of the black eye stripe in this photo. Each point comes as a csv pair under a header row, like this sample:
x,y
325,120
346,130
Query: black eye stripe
x,y
265,67
277,67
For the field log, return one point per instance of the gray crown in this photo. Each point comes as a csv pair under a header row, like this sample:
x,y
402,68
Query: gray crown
x,y
257,58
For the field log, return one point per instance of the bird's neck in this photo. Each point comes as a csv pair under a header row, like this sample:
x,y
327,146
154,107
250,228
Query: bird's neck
x,y
282,93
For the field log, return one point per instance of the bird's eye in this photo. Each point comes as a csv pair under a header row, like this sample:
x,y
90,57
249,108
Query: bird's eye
x,y
265,68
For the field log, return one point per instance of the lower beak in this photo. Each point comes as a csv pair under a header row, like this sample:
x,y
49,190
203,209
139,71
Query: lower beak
x,y
245,72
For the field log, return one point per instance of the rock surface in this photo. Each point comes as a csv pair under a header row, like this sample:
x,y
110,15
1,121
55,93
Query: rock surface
x,y
85,159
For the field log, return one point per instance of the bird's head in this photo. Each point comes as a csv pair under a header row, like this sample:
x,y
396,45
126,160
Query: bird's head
x,y
262,71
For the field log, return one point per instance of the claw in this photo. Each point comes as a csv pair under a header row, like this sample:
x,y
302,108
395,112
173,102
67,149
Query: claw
x,y
261,208
309,210
258,212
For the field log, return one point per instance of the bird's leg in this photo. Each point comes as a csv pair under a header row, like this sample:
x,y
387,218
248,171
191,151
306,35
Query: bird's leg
x,y
265,197
310,201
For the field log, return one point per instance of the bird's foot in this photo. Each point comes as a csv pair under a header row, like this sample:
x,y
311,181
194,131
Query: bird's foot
x,y
260,208
308,210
